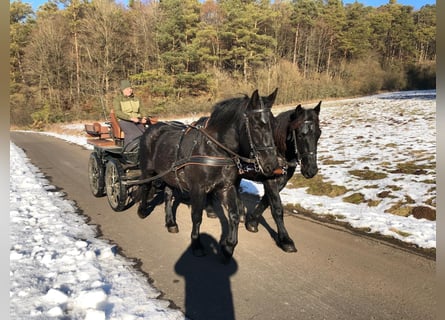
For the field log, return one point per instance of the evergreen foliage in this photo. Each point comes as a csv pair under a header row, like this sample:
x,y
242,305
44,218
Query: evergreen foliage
x,y
66,59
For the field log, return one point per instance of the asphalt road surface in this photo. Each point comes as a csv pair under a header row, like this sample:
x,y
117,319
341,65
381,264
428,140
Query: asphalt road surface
x,y
336,273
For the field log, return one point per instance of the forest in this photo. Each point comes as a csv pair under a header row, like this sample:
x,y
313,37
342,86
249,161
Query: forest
x,y
68,57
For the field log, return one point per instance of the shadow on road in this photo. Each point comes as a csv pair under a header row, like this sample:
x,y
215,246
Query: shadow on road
x,y
208,293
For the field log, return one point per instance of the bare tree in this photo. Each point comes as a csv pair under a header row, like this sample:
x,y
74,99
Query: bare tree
x,y
47,64
104,44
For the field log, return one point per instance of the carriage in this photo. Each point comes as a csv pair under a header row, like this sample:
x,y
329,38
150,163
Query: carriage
x,y
113,170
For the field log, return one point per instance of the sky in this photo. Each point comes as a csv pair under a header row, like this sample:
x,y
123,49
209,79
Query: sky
x,y
65,271
417,4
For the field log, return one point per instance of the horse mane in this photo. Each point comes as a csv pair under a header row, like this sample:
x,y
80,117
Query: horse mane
x,y
280,129
227,111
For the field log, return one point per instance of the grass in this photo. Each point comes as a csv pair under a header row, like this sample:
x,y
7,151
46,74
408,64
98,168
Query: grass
x,y
316,186
394,187
399,232
331,162
385,194
355,198
368,174
400,209
411,167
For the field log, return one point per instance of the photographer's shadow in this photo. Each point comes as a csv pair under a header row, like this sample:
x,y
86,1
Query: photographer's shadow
x,y
208,293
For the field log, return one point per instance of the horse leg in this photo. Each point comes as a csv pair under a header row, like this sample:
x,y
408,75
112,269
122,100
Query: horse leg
x,y
253,218
197,203
241,209
143,202
146,194
272,192
210,206
170,211
230,201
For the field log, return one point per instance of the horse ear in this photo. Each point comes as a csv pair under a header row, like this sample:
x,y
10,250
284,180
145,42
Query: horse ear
x,y
294,115
317,108
254,100
271,98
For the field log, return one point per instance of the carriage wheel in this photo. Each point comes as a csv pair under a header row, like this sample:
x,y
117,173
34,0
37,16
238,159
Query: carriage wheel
x,y
116,191
96,175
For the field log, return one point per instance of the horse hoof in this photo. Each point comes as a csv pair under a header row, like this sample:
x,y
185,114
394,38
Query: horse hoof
x,y
173,229
242,218
143,214
227,253
288,247
252,227
197,248
198,253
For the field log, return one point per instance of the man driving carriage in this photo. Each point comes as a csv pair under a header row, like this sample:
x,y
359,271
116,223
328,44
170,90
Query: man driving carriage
x,y
127,108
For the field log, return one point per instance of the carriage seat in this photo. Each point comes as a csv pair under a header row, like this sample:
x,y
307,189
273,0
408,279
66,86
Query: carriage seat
x,y
118,133
97,130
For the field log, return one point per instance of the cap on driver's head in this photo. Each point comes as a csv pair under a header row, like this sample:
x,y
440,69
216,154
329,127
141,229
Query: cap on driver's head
x,y
125,84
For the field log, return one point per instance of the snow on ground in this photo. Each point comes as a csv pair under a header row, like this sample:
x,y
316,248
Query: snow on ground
x,y
378,133
59,269
64,271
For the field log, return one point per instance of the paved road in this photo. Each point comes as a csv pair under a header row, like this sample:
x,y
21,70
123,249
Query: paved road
x,y
335,274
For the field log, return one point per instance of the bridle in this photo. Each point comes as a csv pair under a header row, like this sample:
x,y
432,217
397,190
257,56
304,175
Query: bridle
x,y
254,150
309,124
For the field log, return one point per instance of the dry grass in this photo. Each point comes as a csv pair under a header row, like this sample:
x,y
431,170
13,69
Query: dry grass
x,y
316,186
411,167
368,174
402,233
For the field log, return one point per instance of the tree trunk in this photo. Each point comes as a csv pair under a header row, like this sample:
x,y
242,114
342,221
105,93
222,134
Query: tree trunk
x,y
328,62
245,69
76,49
294,58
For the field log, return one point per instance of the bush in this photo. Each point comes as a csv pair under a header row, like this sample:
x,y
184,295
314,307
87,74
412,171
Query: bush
x,y
394,79
19,113
421,76
364,77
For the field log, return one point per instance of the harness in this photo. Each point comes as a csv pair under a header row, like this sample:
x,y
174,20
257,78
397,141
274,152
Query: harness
x,y
243,164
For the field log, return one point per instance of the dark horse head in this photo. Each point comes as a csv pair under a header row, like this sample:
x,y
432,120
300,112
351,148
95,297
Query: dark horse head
x,y
304,131
253,137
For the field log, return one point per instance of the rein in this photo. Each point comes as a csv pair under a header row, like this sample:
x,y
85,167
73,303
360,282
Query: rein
x,y
219,144
195,160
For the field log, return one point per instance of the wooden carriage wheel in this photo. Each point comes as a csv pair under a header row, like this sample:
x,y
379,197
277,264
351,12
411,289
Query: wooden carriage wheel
x,y
116,190
96,175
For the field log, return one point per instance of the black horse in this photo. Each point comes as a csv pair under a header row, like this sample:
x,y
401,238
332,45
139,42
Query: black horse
x,y
205,158
296,134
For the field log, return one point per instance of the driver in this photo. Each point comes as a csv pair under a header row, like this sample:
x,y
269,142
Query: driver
x,y
127,108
